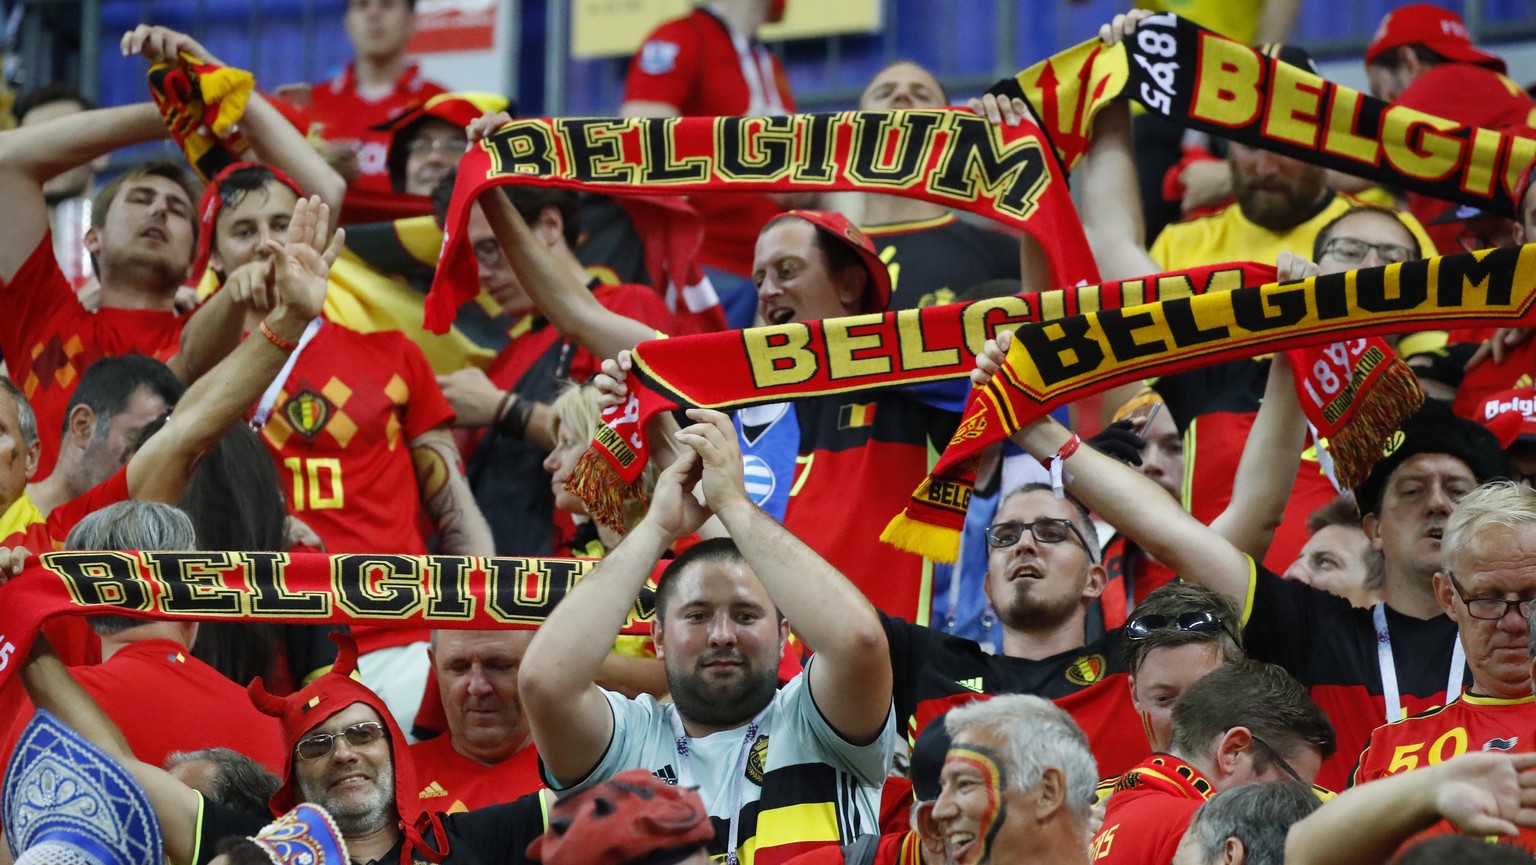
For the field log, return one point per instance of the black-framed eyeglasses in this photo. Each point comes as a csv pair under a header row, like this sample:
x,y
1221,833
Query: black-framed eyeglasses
x,y
1202,622
1349,250
1045,530
321,744
1279,760
1491,609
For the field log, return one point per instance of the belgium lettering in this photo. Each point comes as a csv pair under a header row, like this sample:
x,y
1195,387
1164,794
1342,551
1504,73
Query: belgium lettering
x,y
439,591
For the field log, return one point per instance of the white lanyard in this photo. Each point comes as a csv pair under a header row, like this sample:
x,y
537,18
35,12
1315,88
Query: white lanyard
x,y
269,396
1389,689
685,769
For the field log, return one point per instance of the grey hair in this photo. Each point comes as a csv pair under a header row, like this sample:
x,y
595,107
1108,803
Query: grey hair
x,y
1257,815
131,525
1039,735
26,418
241,783
1501,503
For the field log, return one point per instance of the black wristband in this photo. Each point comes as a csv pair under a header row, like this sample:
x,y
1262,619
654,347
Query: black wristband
x,y
514,422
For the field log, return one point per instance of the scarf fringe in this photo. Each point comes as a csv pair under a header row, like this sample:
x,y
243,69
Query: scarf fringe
x,y
938,543
595,481
1390,400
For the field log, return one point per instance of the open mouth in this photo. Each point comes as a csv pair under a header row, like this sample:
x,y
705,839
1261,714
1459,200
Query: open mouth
x,y
782,315
155,234
963,847
1026,572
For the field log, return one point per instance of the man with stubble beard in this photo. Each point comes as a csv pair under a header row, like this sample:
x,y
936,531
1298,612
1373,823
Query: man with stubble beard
x,y
780,770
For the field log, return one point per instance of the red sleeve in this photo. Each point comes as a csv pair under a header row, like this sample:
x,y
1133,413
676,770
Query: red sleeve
x,y
426,408
66,516
666,66
637,302
37,294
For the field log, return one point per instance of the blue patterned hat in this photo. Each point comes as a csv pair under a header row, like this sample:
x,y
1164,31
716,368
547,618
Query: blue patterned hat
x,y
65,800
304,836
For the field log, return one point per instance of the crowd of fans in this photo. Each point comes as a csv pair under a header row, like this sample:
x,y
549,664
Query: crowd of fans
x,y
1202,650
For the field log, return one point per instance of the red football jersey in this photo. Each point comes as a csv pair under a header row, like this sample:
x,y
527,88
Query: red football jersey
x,y
451,782
1148,812
698,66
1472,723
340,113
48,339
339,432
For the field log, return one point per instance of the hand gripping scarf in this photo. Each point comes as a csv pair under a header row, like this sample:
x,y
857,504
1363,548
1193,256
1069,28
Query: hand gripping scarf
x,y
1208,82
1068,344
200,104
950,157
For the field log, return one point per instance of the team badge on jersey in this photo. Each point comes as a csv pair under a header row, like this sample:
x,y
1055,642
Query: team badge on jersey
x,y
1501,744
658,57
759,479
307,413
1086,670
757,760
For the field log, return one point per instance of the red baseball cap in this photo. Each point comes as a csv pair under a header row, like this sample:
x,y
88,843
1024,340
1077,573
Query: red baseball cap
x,y
838,226
1510,415
1439,30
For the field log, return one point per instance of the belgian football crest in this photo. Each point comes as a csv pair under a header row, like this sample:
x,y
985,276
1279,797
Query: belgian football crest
x,y
1086,670
307,413
757,760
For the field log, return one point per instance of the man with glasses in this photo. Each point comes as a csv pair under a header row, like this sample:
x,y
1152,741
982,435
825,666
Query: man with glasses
x,y
1174,638
1245,723
1487,587
1042,574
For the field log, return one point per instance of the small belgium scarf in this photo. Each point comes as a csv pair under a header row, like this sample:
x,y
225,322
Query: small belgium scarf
x,y
200,104
1068,344
950,157
1205,81
309,588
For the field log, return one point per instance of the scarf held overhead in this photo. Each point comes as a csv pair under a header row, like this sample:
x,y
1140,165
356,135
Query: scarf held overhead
x,y
1208,82
310,588
950,157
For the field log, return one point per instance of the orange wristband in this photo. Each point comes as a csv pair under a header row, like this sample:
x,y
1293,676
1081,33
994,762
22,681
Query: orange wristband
x,y
276,340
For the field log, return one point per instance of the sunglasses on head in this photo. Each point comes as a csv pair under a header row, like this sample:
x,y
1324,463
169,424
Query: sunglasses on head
x,y
1203,622
357,736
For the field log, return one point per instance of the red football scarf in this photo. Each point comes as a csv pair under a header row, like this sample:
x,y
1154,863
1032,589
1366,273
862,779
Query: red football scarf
x,y
200,104
1052,363
950,157
1205,81
1356,393
309,588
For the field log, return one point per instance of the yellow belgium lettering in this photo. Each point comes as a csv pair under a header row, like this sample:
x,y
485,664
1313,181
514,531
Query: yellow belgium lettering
x,y
1227,91
779,355
843,344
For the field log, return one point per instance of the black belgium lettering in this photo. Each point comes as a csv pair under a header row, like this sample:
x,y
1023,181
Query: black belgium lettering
x,y
1268,307
972,155
194,582
265,573
1493,276
772,143
522,150
1120,332
1371,291
1331,294
1049,353
525,590
663,167
450,596
871,131
102,578
1180,314
816,134
378,585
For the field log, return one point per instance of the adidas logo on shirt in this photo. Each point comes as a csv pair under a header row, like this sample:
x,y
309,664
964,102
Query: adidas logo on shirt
x,y
666,774
433,790
971,684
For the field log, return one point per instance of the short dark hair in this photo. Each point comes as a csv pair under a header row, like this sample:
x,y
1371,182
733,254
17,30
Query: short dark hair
x,y
1339,512
166,168
239,183
1259,816
1326,232
1261,697
711,550
109,384
241,783
242,850
1081,517
530,202
47,94
1174,600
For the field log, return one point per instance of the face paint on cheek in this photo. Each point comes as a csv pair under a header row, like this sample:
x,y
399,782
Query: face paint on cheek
x,y
995,781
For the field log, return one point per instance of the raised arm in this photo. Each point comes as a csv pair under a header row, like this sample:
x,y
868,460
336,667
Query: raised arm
x,y
851,677
1488,793
568,714
1131,502
31,155
445,493
176,805
159,471
1267,471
